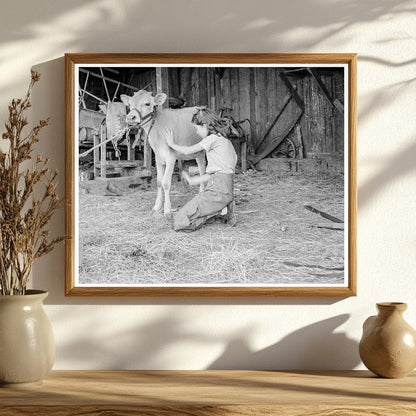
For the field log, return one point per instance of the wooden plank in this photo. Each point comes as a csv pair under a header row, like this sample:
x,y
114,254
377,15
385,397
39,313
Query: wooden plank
x,y
174,82
339,106
324,90
244,93
219,102
272,144
289,86
271,95
96,155
316,113
338,94
305,121
226,88
251,107
272,124
243,156
262,93
194,87
186,85
103,153
235,93
203,88
333,119
256,116
211,88
162,82
215,392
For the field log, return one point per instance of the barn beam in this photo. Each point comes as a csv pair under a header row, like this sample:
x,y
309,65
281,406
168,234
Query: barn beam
x,y
94,96
286,101
105,85
334,103
108,79
276,140
290,87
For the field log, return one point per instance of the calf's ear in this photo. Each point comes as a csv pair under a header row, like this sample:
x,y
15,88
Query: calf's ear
x,y
125,99
103,108
160,98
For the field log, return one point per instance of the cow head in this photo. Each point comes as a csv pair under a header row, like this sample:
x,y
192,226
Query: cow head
x,y
141,104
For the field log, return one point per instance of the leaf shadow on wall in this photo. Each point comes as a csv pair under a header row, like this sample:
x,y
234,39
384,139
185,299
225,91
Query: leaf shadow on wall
x,y
397,167
143,347
316,346
402,163
249,22
199,26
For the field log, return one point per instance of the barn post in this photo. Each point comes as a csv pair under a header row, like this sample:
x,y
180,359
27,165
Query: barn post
x,y
161,86
96,153
130,150
103,152
243,145
147,154
162,83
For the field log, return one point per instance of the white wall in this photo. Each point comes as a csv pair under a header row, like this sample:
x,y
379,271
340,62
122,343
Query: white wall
x,y
192,333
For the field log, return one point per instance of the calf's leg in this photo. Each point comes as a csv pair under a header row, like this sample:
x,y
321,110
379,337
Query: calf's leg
x,y
166,184
160,169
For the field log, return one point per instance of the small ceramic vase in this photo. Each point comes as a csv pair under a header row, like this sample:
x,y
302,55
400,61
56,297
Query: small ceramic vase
x,y
27,347
388,344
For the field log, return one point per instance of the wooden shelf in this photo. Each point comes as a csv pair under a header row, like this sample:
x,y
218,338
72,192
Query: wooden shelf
x,y
202,393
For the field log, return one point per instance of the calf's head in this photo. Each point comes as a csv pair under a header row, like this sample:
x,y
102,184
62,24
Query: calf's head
x,y
141,103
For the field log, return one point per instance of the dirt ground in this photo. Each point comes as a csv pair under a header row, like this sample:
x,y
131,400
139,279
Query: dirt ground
x,y
276,240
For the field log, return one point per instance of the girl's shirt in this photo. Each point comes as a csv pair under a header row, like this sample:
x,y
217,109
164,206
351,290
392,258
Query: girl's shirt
x,y
220,152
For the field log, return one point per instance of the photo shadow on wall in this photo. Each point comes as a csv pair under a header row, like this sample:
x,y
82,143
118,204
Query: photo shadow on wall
x,y
313,347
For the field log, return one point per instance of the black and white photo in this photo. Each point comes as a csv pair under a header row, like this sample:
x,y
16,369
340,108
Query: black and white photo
x,y
211,175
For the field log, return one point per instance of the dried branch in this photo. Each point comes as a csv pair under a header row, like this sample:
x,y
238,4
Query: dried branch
x,y
24,217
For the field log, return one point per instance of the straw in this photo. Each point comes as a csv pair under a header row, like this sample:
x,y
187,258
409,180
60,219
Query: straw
x,y
275,241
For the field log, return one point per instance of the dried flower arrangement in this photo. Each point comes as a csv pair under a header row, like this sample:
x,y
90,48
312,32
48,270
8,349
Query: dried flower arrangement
x,y
28,199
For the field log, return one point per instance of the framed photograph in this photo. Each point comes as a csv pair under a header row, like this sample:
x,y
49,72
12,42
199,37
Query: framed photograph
x,y
211,174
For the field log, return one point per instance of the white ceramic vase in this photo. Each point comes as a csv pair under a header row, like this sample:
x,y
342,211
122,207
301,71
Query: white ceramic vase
x,y
27,347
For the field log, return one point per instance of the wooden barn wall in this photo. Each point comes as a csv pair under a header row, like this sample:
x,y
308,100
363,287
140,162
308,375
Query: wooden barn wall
x,y
322,126
259,94
143,80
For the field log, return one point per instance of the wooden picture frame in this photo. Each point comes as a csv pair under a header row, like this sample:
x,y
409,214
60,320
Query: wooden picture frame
x,y
294,246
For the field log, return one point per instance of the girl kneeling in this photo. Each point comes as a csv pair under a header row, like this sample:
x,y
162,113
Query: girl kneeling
x,y
219,176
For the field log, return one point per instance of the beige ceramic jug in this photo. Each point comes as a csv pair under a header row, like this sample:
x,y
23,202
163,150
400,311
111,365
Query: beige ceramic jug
x,y
388,345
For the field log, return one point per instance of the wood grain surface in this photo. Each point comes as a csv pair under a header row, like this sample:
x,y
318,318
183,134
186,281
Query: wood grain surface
x,y
203,393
